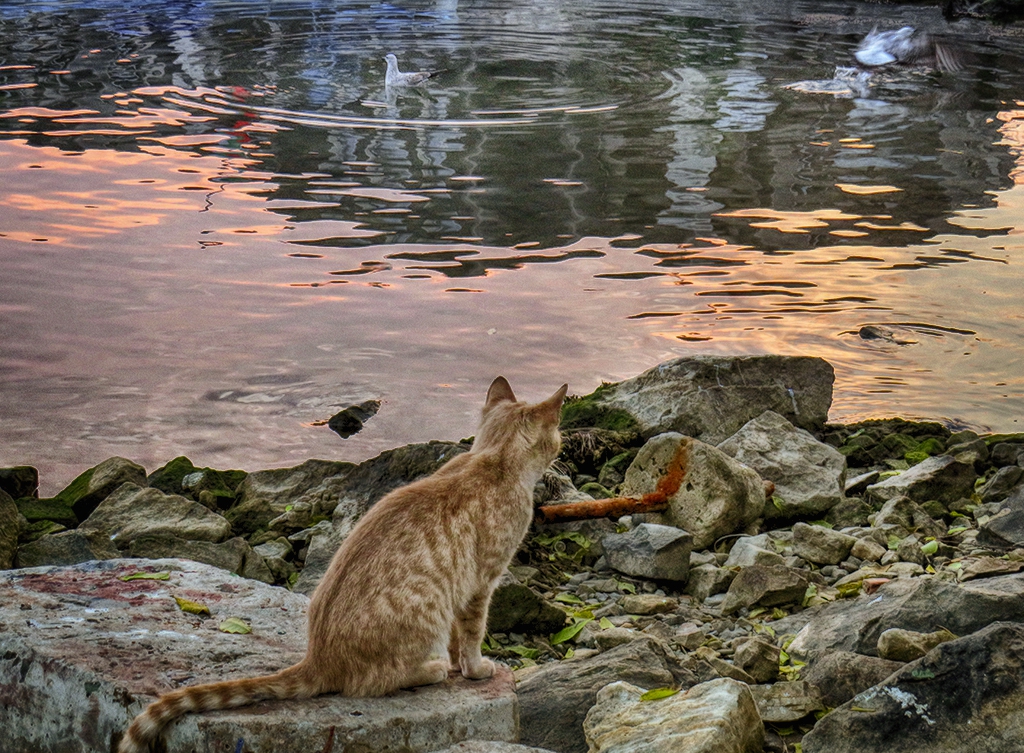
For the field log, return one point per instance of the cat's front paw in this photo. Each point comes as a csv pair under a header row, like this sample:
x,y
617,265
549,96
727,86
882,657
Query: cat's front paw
x,y
479,670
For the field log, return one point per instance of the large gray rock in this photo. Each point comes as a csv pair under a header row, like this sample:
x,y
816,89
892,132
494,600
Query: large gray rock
x,y
517,608
840,675
66,548
713,717
134,511
650,551
752,550
95,484
709,494
809,475
554,700
919,604
710,397
942,477
966,696
766,586
84,651
821,545
903,516
1005,528
265,495
785,702
234,555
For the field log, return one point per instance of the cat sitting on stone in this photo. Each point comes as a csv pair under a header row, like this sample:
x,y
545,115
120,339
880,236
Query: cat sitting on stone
x,y
406,595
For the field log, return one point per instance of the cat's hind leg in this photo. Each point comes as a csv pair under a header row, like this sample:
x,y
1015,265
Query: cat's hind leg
x,y
429,673
468,635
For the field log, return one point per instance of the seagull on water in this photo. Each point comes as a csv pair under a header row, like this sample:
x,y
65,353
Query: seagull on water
x,y
906,45
395,77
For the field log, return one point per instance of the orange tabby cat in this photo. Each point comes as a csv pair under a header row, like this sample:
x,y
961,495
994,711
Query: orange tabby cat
x,y
410,586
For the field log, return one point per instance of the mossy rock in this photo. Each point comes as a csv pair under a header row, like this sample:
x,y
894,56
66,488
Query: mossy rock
x,y
595,490
588,412
19,481
896,445
932,446
213,488
55,509
95,484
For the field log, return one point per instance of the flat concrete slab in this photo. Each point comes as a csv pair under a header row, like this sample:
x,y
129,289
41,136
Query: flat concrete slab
x,y
82,651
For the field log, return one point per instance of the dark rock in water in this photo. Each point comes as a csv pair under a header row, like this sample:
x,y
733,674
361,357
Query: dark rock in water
x,y
965,696
840,675
710,397
350,421
96,484
66,548
555,699
19,481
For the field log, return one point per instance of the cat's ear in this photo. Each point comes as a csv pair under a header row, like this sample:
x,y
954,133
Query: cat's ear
x,y
498,391
552,407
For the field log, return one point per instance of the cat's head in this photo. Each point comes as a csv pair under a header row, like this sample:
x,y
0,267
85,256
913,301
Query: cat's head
x,y
510,425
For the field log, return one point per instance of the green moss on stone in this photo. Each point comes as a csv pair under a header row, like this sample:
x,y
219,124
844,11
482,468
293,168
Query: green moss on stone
x,y
76,489
56,510
589,412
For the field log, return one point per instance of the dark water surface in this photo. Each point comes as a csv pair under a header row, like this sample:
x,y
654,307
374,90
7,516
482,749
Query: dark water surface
x,y
217,227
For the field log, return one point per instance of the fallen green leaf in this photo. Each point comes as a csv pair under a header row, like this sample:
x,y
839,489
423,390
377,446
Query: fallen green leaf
x,y
930,548
192,607
605,623
234,625
658,693
847,590
955,530
627,587
570,632
528,653
146,576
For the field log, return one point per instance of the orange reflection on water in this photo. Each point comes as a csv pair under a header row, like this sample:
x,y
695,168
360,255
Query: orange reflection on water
x,y
791,222
1012,131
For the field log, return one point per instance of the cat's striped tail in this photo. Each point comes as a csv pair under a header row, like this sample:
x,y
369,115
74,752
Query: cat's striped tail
x,y
293,682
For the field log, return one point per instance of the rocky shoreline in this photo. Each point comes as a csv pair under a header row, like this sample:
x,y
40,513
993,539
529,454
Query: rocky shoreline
x,y
791,585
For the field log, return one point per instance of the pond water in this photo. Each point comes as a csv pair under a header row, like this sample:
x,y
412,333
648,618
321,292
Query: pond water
x,y
217,227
